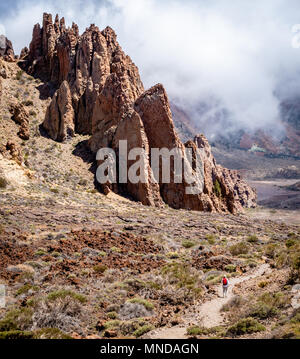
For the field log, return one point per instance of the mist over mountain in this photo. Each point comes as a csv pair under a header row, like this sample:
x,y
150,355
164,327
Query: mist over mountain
x,y
228,65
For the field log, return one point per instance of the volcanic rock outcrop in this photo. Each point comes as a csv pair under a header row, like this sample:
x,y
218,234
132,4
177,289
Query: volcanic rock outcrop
x,y
60,120
100,93
21,116
6,49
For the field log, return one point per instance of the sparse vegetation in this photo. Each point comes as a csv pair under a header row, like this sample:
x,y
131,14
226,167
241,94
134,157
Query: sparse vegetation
x,y
19,75
188,244
217,188
252,239
63,293
148,305
184,277
3,183
245,326
143,330
239,248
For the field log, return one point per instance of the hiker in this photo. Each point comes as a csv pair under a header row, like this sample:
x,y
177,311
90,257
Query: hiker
x,y
225,284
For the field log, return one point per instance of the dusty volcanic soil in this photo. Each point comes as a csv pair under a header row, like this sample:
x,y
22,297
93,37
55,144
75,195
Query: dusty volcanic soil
x,y
80,264
105,252
276,201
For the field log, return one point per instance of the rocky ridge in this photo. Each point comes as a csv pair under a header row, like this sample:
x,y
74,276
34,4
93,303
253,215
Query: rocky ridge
x,y
100,93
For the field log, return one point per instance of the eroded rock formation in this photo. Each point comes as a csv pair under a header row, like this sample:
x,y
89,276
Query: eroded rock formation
x,y
6,49
60,119
100,93
21,116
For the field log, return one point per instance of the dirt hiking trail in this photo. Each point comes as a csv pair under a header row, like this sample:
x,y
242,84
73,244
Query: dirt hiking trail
x,y
207,314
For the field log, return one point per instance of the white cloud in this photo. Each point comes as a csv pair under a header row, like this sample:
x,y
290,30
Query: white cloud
x,y
235,54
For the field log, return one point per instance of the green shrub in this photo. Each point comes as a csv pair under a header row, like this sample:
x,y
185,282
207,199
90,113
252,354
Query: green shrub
x,y
50,333
211,238
239,248
100,268
19,75
263,284
143,330
112,315
271,250
153,285
40,252
148,305
245,326
16,319
116,249
188,244
182,276
3,182
63,293
112,324
268,304
24,289
290,243
16,334
252,239
231,268
195,330
217,188
233,303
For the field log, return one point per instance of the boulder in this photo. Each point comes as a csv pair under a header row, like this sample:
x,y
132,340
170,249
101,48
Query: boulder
x,y
60,121
6,49
21,116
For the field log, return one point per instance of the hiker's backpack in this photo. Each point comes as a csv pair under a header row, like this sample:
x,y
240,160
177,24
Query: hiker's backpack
x,y
225,281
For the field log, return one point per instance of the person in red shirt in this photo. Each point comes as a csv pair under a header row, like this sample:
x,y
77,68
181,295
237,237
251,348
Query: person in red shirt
x,y
225,284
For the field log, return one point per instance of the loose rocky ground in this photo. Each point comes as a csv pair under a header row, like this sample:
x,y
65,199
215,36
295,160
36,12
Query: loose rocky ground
x,y
80,264
125,267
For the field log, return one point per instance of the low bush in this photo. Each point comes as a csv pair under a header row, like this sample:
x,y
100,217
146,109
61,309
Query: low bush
x,y
196,330
50,333
100,268
16,334
239,248
230,268
188,244
252,239
3,183
16,319
63,293
233,303
268,305
245,326
148,305
143,330
184,277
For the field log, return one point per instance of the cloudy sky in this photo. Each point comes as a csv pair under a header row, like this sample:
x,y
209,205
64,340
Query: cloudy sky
x,y
230,54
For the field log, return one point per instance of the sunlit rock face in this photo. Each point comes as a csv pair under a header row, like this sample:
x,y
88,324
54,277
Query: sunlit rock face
x,y
100,93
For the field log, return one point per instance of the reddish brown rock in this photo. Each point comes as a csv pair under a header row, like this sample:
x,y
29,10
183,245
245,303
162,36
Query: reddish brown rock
x,y
24,53
6,49
154,110
103,81
14,151
100,93
59,121
21,116
225,187
131,129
